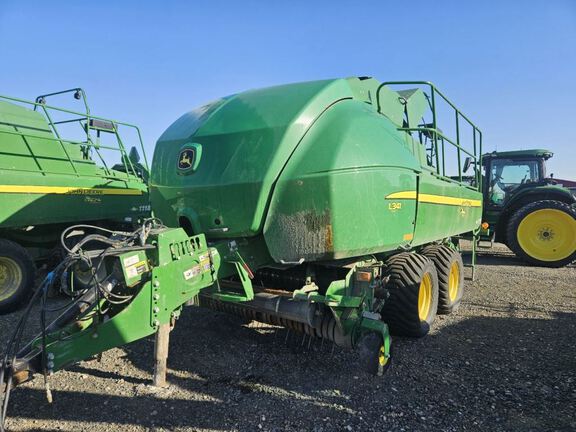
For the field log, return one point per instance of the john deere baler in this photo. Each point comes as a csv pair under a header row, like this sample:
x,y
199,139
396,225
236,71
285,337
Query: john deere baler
x,y
54,174
325,207
320,171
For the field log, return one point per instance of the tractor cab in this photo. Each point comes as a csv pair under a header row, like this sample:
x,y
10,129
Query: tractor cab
x,y
507,173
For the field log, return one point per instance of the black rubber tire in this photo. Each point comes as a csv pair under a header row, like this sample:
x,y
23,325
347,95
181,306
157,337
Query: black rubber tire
x,y
368,349
516,219
443,258
24,262
400,310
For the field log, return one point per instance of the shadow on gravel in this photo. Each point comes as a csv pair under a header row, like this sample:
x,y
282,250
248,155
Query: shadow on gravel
x,y
496,258
499,257
490,373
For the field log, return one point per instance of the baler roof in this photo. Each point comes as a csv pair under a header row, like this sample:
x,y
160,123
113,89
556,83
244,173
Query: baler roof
x,y
233,150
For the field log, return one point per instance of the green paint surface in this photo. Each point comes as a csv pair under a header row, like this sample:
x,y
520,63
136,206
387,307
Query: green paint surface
x,y
308,166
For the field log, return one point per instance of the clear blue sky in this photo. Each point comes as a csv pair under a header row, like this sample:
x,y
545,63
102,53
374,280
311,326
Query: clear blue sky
x,y
510,65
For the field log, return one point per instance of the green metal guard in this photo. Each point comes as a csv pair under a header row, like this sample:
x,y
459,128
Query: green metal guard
x,y
84,119
437,135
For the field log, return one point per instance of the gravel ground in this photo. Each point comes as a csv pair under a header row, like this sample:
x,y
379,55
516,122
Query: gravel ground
x,y
504,361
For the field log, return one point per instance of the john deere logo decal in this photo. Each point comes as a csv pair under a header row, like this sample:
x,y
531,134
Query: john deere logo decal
x,y
186,159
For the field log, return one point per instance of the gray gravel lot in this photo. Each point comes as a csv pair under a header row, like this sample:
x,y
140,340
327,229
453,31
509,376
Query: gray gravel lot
x,y
506,360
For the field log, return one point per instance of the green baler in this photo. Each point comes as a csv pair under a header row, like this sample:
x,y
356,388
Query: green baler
x,y
309,179
49,182
319,171
324,207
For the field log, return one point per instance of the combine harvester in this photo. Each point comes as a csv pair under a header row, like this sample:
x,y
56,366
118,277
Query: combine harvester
x,y
324,207
49,182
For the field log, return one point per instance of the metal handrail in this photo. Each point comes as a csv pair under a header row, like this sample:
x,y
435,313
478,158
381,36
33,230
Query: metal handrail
x,y
86,116
76,90
110,174
435,133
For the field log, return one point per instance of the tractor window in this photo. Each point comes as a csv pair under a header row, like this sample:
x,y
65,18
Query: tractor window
x,y
507,174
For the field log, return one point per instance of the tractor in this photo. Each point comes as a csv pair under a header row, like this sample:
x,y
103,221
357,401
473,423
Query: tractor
x,y
532,213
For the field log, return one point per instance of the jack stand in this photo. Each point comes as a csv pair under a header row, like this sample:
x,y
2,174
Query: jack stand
x,y
161,355
475,240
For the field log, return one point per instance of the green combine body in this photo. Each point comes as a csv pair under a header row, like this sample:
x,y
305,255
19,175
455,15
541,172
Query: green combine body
x,y
48,182
323,207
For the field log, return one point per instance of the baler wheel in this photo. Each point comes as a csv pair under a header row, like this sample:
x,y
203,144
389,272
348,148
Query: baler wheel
x,y
450,269
413,287
17,274
371,354
544,233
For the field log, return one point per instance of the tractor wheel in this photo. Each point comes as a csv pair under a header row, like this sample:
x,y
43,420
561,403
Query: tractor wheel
x,y
413,287
371,354
544,233
450,270
17,274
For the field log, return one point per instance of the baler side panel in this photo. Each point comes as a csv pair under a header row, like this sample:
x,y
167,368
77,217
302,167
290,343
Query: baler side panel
x,y
245,144
39,151
38,181
458,207
329,202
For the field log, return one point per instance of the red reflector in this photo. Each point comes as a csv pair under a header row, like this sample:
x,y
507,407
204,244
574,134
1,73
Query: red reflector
x,y
363,276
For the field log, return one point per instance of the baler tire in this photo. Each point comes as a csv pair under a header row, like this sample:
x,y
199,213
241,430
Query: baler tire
x,y
16,267
369,349
409,274
528,226
450,269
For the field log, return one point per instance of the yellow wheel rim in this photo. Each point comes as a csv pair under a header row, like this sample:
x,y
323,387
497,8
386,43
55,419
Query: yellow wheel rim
x,y
547,235
382,360
454,281
425,297
10,277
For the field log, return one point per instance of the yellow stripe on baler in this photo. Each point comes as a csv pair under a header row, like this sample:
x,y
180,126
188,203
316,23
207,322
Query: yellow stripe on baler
x,y
402,195
66,190
435,199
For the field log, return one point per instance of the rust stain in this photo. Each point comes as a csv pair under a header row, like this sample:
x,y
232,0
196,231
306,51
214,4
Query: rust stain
x,y
328,242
